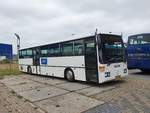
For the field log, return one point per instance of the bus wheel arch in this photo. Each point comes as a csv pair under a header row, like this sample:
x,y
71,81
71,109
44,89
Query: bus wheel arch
x,y
69,74
29,70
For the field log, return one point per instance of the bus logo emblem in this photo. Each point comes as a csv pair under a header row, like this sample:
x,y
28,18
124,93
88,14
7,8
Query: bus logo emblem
x,y
44,61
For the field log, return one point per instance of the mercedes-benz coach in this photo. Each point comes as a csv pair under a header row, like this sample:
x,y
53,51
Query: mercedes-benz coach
x,y
98,58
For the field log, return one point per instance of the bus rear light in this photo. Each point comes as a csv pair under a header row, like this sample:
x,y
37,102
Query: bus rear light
x,y
101,68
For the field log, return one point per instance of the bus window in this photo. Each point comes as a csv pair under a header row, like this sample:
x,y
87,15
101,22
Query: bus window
x,y
67,49
54,50
112,49
78,47
44,52
29,52
139,40
90,47
24,53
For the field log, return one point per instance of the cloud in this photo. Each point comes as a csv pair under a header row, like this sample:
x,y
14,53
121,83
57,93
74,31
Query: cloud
x,y
46,21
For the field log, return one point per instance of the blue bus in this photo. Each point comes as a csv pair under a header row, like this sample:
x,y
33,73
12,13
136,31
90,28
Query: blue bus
x,y
138,52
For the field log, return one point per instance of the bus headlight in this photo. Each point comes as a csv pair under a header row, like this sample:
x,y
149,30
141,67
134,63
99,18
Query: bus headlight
x,y
101,68
125,71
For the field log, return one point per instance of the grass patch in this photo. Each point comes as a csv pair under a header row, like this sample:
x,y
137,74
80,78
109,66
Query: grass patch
x,y
6,72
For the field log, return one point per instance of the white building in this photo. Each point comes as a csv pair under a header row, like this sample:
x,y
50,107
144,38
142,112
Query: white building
x,y
2,58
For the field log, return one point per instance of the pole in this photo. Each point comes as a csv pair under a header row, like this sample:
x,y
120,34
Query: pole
x,y
18,48
18,45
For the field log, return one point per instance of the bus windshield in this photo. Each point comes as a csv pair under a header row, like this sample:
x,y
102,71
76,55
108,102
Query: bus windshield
x,y
140,39
112,49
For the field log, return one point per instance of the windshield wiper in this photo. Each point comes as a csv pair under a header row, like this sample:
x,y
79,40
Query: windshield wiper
x,y
111,59
115,58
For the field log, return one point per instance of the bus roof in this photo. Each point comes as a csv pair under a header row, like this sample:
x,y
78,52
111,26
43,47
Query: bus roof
x,y
134,36
91,36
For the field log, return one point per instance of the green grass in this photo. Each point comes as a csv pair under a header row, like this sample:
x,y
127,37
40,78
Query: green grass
x,y
6,72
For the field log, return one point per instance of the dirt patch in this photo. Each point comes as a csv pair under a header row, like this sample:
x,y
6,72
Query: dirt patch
x,y
9,66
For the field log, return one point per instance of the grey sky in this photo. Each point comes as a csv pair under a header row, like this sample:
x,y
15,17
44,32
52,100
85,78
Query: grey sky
x,y
46,21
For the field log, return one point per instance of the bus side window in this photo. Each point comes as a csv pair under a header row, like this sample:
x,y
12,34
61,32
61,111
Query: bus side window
x,y
67,49
78,47
44,51
29,53
90,47
54,50
24,53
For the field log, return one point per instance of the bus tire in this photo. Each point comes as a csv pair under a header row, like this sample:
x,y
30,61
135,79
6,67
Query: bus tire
x,y
29,70
69,75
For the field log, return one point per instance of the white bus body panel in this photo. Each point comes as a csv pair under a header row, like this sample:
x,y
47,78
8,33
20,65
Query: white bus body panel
x,y
70,61
24,63
56,66
115,69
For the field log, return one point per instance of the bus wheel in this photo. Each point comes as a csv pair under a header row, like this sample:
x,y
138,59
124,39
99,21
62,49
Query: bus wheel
x,y
69,75
29,70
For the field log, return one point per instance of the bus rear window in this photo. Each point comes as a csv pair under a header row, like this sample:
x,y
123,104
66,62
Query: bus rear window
x,y
112,49
140,39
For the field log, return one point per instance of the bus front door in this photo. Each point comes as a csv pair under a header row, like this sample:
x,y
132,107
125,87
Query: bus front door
x,y
36,60
91,61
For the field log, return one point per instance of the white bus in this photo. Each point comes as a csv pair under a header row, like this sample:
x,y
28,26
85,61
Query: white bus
x,y
98,58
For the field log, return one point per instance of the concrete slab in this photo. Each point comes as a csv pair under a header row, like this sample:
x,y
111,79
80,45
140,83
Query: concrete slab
x,y
27,86
70,86
52,81
46,80
14,81
42,93
68,103
10,78
94,90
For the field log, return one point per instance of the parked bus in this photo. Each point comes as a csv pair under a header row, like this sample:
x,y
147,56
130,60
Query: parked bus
x,y
98,58
138,52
